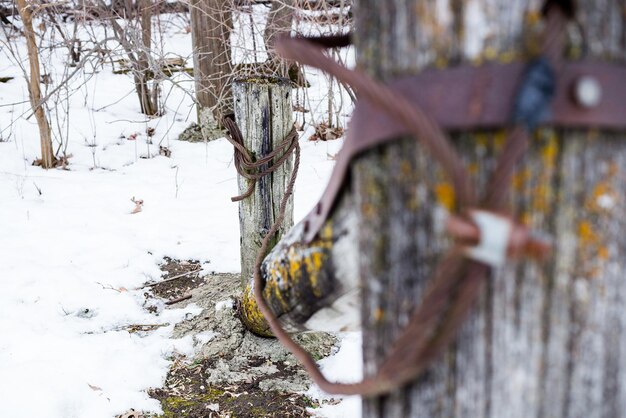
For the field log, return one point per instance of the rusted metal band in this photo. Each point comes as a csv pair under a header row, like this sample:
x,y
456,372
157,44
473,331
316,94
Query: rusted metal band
x,y
467,98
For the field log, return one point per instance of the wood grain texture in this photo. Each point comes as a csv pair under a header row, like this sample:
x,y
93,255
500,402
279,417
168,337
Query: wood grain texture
x,y
263,113
544,340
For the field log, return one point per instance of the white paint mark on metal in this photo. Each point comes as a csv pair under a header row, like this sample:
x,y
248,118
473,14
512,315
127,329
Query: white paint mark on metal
x,y
495,231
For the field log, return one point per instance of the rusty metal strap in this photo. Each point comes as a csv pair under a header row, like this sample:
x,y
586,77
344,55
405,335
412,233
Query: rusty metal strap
x,y
469,98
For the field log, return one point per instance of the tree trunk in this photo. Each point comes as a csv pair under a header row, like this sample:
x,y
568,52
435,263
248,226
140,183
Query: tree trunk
x,y
278,22
145,14
211,24
544,340
263,113
138,52
34,89
148,95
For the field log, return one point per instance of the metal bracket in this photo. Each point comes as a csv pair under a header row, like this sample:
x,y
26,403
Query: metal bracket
x,y
467,98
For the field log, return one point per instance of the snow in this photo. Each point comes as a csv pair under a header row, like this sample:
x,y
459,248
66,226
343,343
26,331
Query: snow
x,y
72,256
343,366
204,337
224,304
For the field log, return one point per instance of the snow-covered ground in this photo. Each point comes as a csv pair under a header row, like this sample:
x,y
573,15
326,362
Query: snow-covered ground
x,y
72,254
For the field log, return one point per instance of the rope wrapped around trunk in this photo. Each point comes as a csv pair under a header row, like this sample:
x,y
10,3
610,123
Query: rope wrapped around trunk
x,y
252,169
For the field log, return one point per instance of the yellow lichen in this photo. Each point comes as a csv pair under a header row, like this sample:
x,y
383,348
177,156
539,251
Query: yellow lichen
x,y
592,252
541,198
445,195
550,151
532,17
379,314
603,253
508,56
441,62
313,262
499,138
520,178
481,139
543,191
251,314
490,53
603,198
295,267
586,234
277,282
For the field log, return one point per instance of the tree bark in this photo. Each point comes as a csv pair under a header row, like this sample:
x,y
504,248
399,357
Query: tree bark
x,y
310,286
278,22
34,89
138,53
544,340
211,24
148,95
263,113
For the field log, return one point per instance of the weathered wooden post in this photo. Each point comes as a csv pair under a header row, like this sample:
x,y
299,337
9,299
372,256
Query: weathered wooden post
x,y
545,340
263,112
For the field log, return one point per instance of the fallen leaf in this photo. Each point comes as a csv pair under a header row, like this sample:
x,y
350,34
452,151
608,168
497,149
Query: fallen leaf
x,y
138,205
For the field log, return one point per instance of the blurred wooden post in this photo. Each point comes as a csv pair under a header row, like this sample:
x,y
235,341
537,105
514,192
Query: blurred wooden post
x,y
544,340
264,115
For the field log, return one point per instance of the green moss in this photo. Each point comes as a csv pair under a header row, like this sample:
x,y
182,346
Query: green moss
x,y
248,405
174,405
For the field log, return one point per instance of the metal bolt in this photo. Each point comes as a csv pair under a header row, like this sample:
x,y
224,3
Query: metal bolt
x,y
587,92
